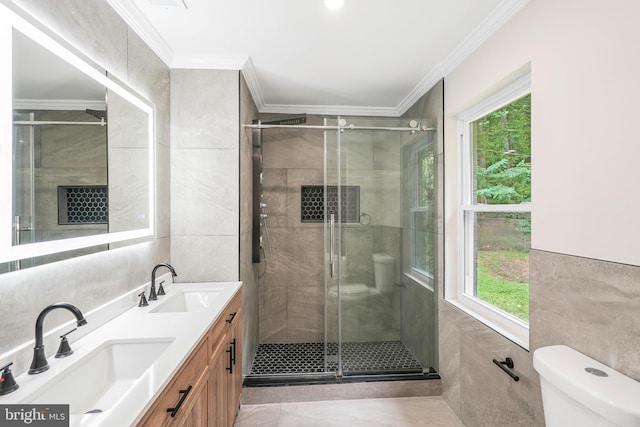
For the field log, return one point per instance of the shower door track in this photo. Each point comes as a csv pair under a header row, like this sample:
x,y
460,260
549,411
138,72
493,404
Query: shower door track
x,y
56,122
418,128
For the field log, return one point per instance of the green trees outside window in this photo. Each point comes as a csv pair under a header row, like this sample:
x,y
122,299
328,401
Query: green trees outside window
x,y
501,150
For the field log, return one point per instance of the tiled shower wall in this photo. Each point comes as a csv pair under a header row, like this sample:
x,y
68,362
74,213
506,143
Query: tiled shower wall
x,y
248,270
292,279
420,305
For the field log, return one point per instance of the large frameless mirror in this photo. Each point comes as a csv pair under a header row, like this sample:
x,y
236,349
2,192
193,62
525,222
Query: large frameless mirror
x,y
76,153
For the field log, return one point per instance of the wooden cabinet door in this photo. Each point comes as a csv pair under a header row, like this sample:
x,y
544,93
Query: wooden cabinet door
x,y
235,374
198,415
218,385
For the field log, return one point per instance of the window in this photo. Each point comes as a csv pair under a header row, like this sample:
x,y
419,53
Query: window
x,y
422,210
495,211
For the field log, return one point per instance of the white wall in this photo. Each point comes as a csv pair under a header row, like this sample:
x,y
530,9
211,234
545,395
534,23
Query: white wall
x,y
585,91
584,69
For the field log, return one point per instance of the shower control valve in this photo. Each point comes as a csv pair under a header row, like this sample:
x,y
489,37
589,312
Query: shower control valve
x,y
264,215
263,205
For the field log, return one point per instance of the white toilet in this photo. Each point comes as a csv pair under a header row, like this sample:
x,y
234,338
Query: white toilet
x,y
383,276
579,391
366,311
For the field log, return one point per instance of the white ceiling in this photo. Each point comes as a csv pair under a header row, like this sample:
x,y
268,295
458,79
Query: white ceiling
x,y
372,57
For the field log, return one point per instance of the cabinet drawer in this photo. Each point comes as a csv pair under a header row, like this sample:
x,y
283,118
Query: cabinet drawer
x,y
181,391
229,317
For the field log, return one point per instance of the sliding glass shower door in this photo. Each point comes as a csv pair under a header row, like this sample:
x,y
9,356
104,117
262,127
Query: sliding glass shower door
x,y
331,199
353,226
363,228
23,187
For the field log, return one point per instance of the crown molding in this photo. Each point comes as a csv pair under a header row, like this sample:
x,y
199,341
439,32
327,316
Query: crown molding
x,y
487,27
206,61
330,110
428,81
58,104
251,78
139,23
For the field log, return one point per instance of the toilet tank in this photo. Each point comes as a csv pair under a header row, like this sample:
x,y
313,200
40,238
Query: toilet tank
x,y
582,392
384,266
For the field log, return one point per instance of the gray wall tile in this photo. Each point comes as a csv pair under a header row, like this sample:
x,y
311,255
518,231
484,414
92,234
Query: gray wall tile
x,y
205,192
205,258
248,271
205,171
205,105
589,305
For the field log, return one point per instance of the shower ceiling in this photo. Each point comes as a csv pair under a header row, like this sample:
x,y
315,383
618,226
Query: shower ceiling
x,y
372,57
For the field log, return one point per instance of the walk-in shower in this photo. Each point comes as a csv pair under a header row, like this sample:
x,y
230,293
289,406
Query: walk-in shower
x,y
348,289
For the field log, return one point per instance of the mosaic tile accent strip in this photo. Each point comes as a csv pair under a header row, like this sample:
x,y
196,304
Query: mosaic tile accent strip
x,y
305,358
312,203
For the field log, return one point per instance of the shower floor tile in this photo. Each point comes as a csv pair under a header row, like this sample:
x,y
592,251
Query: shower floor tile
x,y
357,357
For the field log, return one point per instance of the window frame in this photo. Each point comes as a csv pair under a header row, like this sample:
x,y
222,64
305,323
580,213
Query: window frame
x,y
423,277
504,323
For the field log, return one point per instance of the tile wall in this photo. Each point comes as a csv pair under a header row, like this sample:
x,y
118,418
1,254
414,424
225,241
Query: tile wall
x,y
420,305
205,174
292,280
248,270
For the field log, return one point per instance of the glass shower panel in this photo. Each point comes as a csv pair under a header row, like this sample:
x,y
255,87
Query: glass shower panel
x,y
332,247
23,179
369,296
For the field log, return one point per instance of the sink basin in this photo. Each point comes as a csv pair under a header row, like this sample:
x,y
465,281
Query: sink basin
x,y
100,379
185,301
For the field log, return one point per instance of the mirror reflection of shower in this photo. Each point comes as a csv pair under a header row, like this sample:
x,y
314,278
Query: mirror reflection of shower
x,y
53,150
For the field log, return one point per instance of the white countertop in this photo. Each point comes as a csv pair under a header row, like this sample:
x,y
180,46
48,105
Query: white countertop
x,y
183,329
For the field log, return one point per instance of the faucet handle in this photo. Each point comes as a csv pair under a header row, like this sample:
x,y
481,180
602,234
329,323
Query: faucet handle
x,y
7,382
64,349
161,289
143,300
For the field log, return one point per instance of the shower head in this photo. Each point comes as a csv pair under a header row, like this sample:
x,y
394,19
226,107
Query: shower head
x,y
289,120
98,114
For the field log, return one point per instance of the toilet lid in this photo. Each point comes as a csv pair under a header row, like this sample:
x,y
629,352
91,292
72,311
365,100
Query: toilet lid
x,y
350,289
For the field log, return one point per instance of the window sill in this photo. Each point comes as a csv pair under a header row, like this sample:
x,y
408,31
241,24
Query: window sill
x,y
421,281
508,326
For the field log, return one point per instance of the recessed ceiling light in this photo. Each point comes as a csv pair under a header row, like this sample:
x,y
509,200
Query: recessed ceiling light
x,y
334,4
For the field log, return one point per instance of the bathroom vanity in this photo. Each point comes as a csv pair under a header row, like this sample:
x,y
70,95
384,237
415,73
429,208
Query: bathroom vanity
x,y
176,362
206,390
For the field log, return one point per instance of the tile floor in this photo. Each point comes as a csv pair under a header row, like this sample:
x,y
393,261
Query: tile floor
x,y
430,411
309,357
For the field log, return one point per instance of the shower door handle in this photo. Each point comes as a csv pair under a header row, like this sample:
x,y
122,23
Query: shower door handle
x,y
18,229
332,235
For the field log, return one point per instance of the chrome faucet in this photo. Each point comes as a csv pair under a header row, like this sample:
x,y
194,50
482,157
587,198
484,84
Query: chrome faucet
x,y
39,362
152,292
